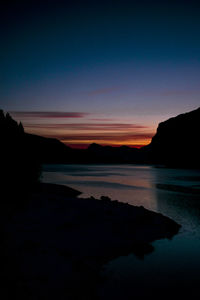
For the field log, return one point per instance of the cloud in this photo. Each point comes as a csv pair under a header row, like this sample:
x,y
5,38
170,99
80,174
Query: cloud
x,y
77,132
48,114
88,126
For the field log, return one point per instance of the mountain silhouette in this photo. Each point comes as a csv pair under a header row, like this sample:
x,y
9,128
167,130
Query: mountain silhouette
x,y
176,142
48,150
109,154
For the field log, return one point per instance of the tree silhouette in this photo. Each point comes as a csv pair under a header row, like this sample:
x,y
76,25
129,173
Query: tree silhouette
x,y
19,167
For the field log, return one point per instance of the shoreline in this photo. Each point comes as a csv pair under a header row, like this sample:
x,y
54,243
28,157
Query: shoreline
x,y
57,245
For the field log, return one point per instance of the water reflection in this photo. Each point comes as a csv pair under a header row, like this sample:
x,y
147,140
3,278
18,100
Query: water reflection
x,y
168,191
173,269
180,206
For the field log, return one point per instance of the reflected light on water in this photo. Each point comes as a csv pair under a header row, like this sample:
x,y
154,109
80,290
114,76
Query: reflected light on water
x,y
174,267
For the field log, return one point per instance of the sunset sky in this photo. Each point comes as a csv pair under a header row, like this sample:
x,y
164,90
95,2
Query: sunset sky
x,y
99,71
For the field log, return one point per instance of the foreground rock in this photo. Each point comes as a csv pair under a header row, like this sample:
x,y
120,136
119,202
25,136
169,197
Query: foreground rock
x,y
56,246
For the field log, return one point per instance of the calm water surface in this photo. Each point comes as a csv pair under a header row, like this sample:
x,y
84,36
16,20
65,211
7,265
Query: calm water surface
x,y
173,269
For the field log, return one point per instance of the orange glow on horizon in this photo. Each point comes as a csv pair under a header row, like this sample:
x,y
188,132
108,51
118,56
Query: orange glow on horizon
x,y
85,144
79,130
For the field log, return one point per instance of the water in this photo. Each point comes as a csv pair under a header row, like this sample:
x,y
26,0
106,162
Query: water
x,y
174,266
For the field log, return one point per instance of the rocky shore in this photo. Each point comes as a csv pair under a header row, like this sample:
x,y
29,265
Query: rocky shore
x,y
56,245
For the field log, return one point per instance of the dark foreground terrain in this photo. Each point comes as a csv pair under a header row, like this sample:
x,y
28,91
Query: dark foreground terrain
x,y
55,247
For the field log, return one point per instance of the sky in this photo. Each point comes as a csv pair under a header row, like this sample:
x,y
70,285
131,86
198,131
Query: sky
x,y
99,71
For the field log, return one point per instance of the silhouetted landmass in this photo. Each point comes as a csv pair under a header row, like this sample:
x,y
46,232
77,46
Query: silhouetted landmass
x,y
108,154
56,246
176,142
19,166
49,150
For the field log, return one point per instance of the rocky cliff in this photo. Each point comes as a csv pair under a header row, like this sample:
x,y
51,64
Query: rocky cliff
x,y
176,142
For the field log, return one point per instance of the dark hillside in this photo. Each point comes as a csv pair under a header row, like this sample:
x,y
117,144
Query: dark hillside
x,y
177,141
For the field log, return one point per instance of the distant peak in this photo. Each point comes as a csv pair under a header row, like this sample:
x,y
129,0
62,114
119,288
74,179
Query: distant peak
x,y
94,146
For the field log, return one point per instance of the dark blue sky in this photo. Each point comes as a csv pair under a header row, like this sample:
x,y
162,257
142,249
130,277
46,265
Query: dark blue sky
x,y
132,62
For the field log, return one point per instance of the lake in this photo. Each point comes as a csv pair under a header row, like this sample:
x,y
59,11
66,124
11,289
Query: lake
x,y
173,268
